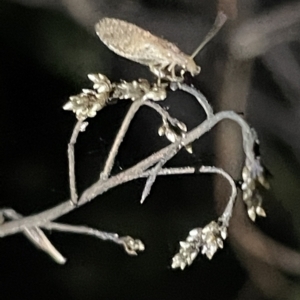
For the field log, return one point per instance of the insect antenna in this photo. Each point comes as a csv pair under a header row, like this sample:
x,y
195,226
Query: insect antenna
x,y
218,24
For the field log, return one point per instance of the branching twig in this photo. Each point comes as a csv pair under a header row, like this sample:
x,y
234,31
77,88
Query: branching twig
x,y
204,169
36,236
132,173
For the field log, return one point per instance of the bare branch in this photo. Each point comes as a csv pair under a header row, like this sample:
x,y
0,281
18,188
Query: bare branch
x,y
197,94
36,236
150,181
119,138
132,173
130,245
204,169
71,159
164,114
256,36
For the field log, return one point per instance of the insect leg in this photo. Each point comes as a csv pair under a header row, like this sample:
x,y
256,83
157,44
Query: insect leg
x,y
158,70
173,77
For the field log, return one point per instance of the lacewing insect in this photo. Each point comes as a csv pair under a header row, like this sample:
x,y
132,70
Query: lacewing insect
x,y
141,46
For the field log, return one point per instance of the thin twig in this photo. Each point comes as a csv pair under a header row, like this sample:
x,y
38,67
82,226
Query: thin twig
x,y
131,246
155,170
197,94
207,109
150,181
164,114
119,138
71,159
203,169
226,215
132,173
36,236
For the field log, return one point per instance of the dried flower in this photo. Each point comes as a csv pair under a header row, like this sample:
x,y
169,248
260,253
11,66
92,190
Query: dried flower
x,y
86,104
189,250
253,175
132,246
128,90
209,238
212,237
174,132
139,89
101,83
156,93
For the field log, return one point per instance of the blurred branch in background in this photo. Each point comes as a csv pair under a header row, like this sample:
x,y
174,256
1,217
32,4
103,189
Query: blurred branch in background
x,y
82,11
259,34
250,36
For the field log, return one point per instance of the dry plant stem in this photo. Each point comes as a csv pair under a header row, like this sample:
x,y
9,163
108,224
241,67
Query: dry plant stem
x,y
163,172
229,207
204,169
198,95
36,236
164,114
71,158
132,173
133,110
150,180
155,170
103,235
256,36
119,138
136,171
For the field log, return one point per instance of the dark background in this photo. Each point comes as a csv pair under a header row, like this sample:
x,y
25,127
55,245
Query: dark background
x,y
46,50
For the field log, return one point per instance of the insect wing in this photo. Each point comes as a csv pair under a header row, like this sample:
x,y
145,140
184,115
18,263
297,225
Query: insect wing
x,y
133,42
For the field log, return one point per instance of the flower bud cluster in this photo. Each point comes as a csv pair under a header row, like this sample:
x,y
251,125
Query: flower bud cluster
x,y
89,102
174,132
138,89
253,176
208,239
132,246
